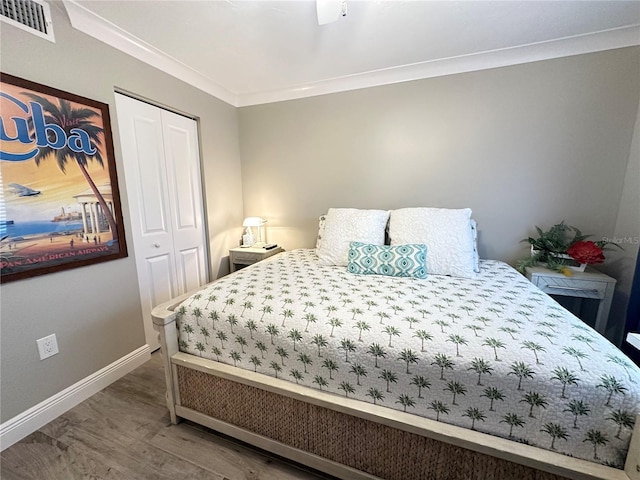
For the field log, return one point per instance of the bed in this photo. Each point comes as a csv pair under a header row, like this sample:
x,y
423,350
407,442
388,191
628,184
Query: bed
x,y
367,360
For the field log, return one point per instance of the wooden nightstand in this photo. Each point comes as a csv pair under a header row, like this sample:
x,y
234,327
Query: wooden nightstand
x,y
241,257
587,284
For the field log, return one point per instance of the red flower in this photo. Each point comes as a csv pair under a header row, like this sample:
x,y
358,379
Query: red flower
x,y
586,252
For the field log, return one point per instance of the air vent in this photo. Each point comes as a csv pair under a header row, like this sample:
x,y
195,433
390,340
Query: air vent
x,y
31,15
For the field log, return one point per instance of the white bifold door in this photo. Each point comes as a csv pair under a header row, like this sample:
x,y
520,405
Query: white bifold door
x,y
164,189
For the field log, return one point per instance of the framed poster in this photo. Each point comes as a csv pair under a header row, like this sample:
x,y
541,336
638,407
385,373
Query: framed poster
x,y
59,200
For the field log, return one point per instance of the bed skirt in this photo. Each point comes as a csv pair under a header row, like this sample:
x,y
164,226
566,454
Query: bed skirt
x,y
379,450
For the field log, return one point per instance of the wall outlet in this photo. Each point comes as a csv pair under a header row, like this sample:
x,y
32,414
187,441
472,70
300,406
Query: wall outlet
x,y
47,346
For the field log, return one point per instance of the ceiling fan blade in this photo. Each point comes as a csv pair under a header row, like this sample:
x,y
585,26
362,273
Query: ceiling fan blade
x,y
329,10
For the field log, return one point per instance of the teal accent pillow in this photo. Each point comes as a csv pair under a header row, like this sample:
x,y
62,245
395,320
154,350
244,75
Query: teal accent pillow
x,y
408,260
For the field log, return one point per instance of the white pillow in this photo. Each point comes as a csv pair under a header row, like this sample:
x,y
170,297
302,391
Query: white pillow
x,y
476,256
321,221
345,225
446,233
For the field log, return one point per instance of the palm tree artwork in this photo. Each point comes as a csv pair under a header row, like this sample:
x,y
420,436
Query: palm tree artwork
x,y
521,370
495,344
347,388
376,351
334,322
320,381
275,366
68,118
534,399
305,360
474,414
444,362
623,419
612,385
595,437
256,362
566,377
480,366
375,394
273,331
575,353
297,376
423,335
331,366
282,353
555,431
493,393
420,382
267,309
319,341
392,332
439,407
513,420
456,388
457,340
261,347
235,356
359,371
251,326
534,347
577,408
348,346
406,401
408,356
389,377
217,352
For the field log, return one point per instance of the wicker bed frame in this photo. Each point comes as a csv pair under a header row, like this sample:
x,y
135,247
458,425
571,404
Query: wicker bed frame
x,y
348,438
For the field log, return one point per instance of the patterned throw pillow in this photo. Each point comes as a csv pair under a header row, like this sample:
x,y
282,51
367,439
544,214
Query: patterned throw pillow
x,y
409,260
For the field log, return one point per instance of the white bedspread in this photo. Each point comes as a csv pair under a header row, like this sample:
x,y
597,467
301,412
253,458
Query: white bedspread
x,y
493,354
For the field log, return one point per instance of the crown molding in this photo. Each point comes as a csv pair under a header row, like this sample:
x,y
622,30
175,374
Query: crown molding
x,y
97,27
557,48
105,31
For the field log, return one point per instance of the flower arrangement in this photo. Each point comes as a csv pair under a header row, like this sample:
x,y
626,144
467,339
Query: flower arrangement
x,y
563,248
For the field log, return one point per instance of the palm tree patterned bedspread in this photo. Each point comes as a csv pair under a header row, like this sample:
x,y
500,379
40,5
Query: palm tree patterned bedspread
x,y
493,354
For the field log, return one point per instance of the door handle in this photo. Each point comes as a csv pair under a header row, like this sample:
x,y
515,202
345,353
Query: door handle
x,y
157,245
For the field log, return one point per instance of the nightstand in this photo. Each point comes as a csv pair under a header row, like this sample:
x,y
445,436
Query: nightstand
x,y
241,257
588,284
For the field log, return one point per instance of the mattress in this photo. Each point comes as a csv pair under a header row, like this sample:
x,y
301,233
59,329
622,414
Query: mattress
x,y
493,353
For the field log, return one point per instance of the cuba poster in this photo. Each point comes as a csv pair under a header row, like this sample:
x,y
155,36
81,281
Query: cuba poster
x,y
59,201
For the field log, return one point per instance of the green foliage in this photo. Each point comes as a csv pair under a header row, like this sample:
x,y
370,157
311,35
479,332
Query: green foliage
x,y
554,242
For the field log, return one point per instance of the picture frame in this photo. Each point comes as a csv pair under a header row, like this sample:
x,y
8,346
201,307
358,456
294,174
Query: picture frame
x,y
59,199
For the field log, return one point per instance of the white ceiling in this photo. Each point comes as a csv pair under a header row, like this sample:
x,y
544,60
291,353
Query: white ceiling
x,y
250,52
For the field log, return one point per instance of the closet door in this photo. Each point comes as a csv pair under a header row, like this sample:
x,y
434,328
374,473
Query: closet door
x,y
162,173
185,193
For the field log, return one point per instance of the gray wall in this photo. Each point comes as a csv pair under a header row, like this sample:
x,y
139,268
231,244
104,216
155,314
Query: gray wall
x,y
95,310
525,145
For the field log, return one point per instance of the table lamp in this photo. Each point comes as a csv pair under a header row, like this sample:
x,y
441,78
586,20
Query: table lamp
x,y
248,239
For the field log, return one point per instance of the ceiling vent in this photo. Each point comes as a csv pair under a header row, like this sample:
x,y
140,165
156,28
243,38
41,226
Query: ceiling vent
x,y
31,15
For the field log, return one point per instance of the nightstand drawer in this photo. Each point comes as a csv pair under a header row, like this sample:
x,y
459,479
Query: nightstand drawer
x,y
571,287
589,284
241,257
247,257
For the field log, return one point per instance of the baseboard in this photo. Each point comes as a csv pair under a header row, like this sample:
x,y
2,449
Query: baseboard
x,y
29,421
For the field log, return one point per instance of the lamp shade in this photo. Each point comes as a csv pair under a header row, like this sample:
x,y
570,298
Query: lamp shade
x,y
253,222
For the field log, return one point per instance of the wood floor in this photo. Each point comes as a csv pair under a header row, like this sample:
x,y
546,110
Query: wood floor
x,y
124,432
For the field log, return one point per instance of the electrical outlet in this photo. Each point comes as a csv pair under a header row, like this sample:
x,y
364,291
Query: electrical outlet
x,y
47,346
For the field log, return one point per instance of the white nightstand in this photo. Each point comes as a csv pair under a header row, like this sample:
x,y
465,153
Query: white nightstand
x,y
587,284
241,257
